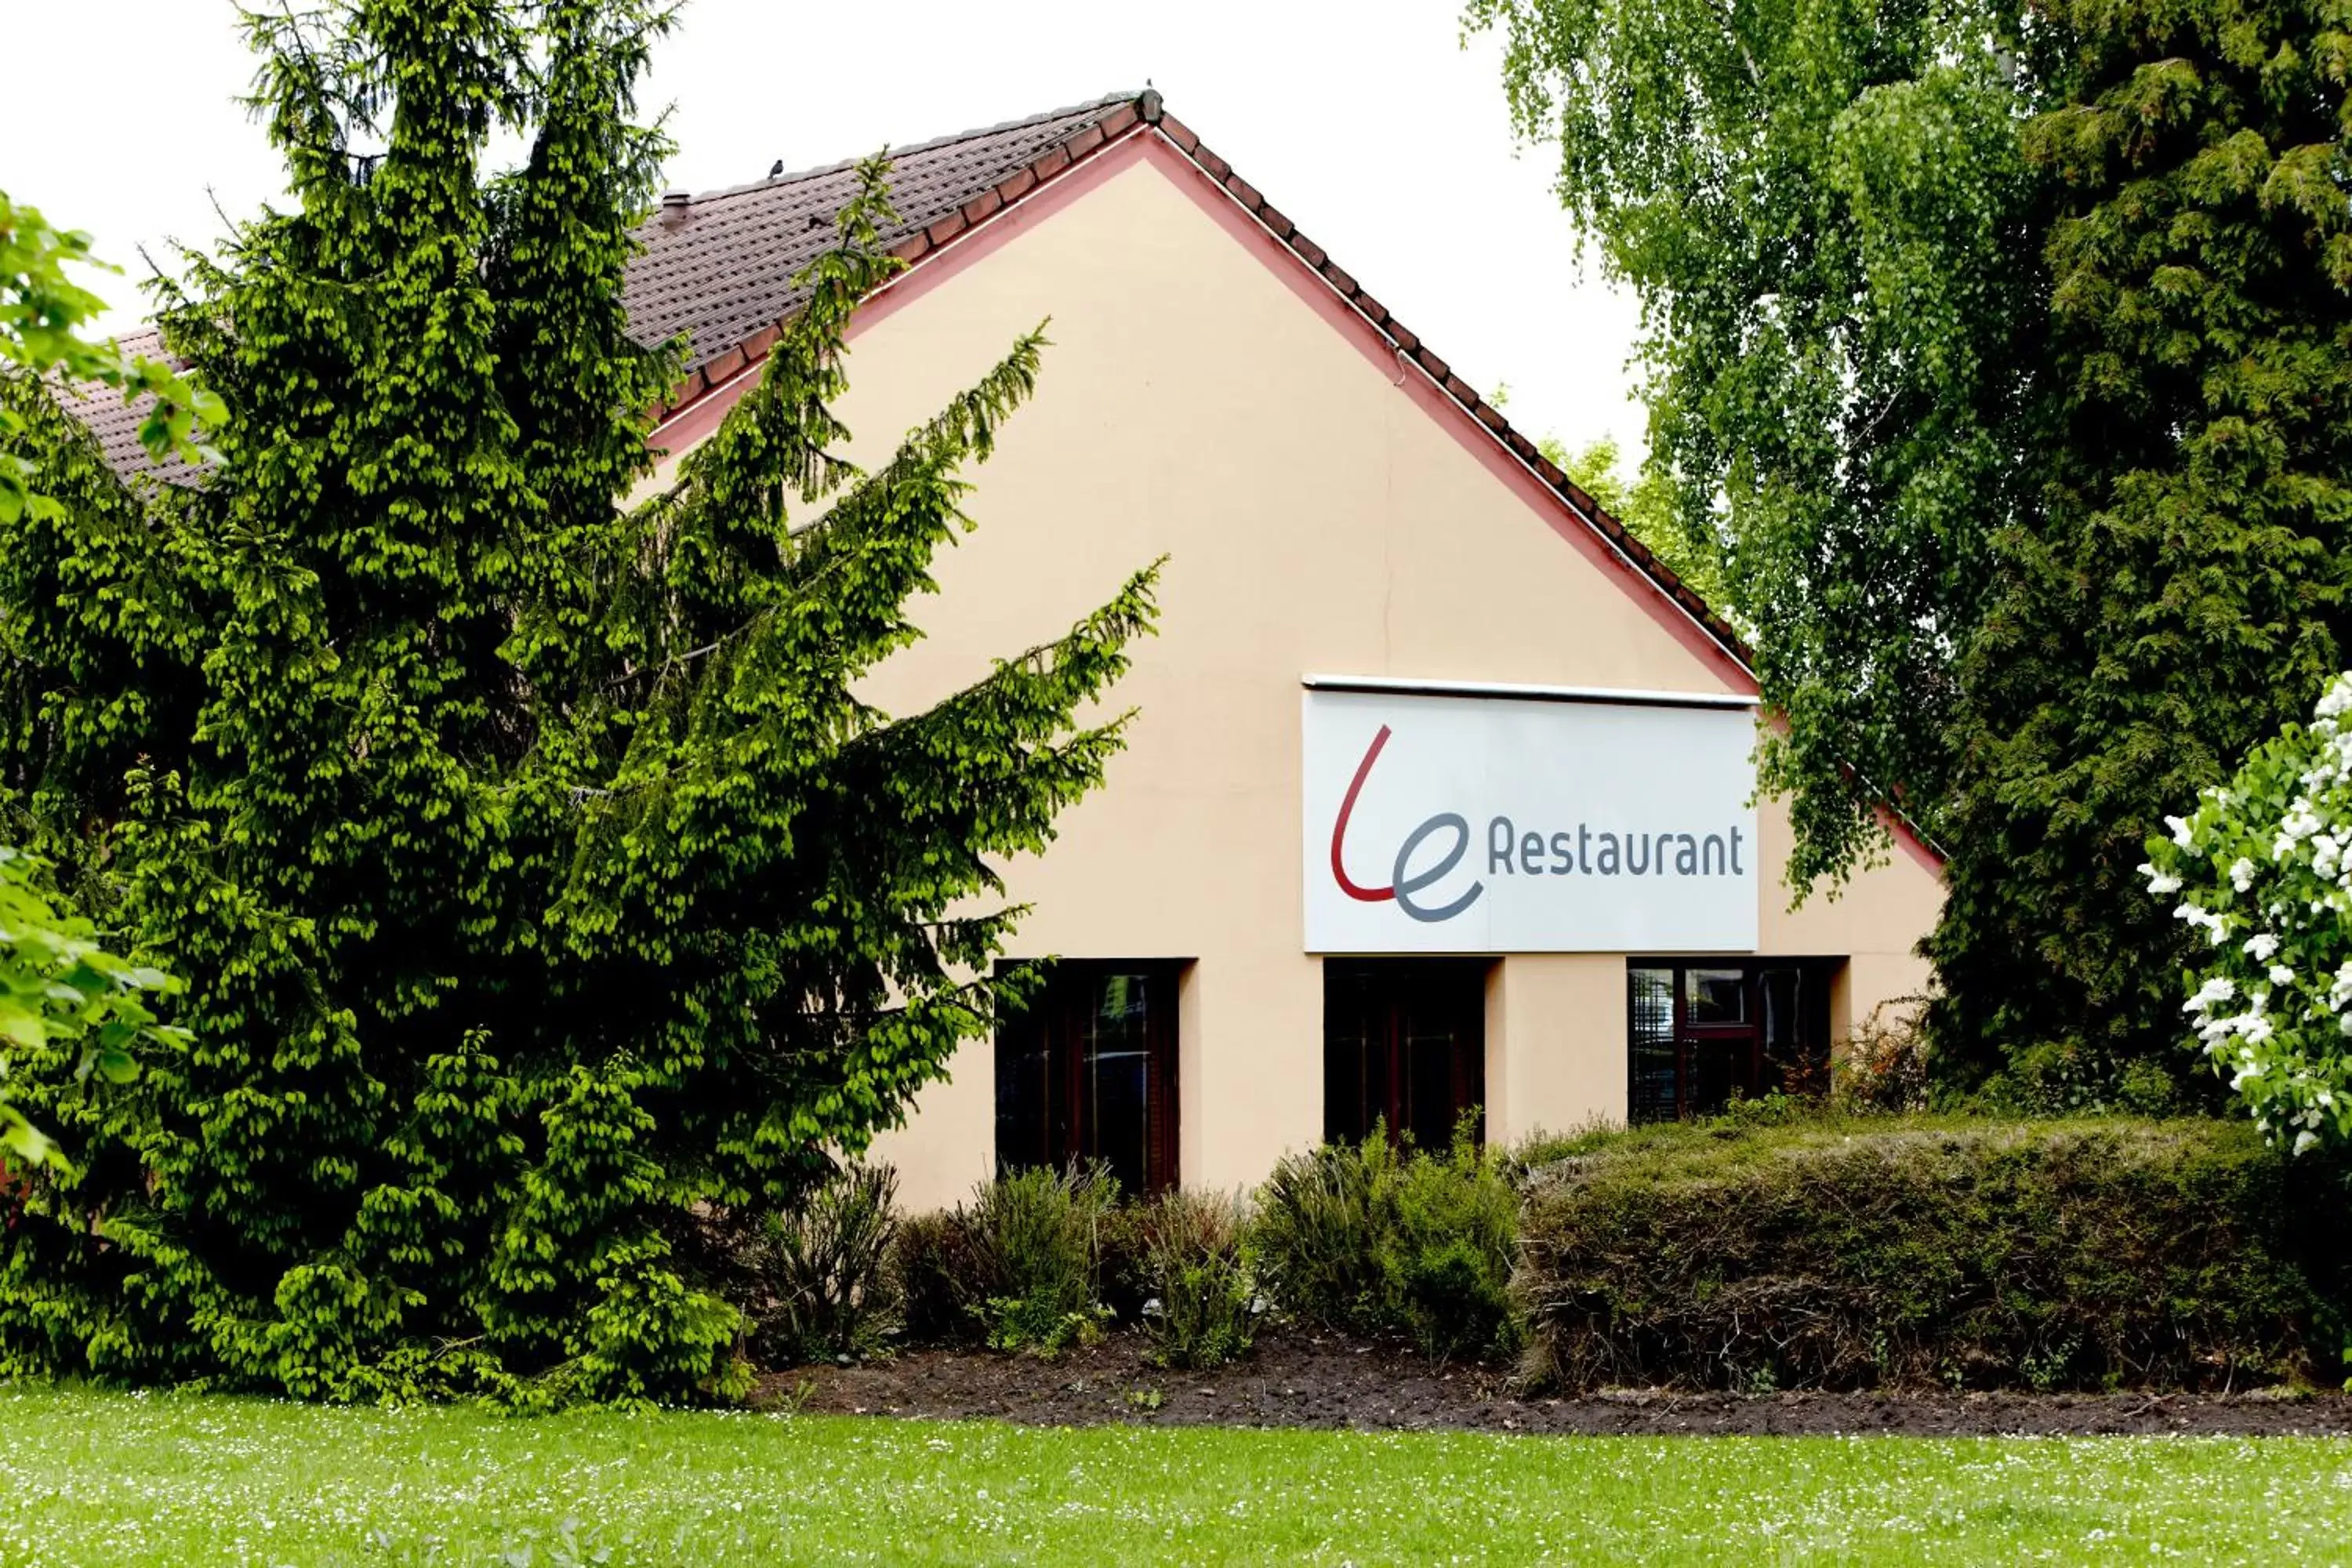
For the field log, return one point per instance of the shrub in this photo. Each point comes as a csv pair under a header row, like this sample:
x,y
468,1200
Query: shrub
x,y
1371,1239
1123,1267
1841,1255
1021,1263
818,1278
1322,1219
1449,1257
1883,1066
1202,1288
936,1275
2263,869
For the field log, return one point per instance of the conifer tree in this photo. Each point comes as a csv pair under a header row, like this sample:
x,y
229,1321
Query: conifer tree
x,y
543,885
2179,591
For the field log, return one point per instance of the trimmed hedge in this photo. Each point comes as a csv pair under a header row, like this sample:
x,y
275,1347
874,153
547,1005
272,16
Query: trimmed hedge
x,y
2092,1254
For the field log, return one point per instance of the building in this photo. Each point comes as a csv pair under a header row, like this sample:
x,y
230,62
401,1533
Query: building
x,y
1439,791
1439,794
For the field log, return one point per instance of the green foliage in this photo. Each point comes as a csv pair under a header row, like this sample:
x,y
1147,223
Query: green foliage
x,y
2005,349
1947,1251
2263,869
935,1273
1883,1064
1449,1259
68,1008
1021,1264
2179,594
42,314
1321,1219
816,1278
1369,1240
1194,1261
1818,203
1647,505
541,883
1037,1243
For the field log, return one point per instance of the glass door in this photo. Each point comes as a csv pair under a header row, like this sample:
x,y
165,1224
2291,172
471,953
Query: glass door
x,y
1700,1035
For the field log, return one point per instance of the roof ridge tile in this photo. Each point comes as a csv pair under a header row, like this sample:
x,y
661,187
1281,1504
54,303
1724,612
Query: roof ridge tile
x,y
801,176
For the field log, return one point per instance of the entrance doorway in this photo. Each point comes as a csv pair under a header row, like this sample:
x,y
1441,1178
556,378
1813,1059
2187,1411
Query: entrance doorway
x,y
1705,1032
1405,1046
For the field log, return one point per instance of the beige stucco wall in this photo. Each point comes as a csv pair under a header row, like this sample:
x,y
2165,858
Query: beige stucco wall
x,y
1555,1043
1315,519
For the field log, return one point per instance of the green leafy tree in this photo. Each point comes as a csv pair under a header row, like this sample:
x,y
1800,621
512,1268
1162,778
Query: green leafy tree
x,y
2006,347
60,992
1818,204
1648,504
543,886
66,1005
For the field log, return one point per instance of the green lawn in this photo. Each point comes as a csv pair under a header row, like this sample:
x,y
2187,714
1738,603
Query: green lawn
x,y
182,1479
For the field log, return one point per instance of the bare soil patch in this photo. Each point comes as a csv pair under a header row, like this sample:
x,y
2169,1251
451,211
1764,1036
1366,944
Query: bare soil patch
x,y
1300,1379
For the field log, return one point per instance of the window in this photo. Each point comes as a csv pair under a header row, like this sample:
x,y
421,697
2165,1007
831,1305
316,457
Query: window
x,y
1404,1044
1700,1035
1088,1072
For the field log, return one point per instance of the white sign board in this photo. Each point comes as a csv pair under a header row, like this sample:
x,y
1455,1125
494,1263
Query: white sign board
x,y
1443,824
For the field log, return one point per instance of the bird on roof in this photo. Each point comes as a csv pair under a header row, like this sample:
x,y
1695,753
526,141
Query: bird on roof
x,y
775,168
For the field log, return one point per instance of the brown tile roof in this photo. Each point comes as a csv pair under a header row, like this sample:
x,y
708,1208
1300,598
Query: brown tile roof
x,y
115,423
718,268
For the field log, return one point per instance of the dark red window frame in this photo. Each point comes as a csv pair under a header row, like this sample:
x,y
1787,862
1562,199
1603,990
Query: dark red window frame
x,y
1684,1059
1404,1044
1094,1023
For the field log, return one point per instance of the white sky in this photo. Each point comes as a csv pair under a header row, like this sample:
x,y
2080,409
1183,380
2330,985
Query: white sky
x,y
1367,125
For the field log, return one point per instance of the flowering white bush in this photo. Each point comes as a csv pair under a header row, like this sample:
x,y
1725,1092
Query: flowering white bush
x,y
2264,869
